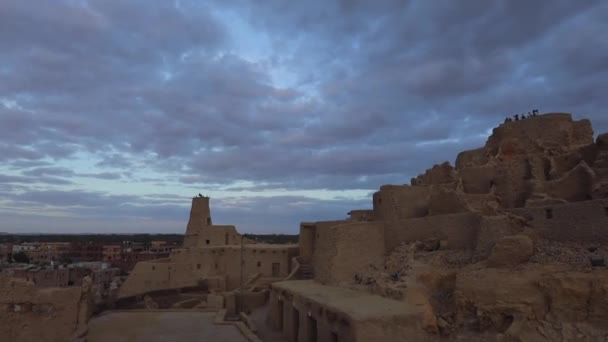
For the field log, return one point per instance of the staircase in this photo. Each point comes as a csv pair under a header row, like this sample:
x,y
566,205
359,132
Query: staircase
x,y
306,271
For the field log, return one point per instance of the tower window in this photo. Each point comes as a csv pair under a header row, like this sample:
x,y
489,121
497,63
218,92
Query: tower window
x,y
207,241
549,213
259,264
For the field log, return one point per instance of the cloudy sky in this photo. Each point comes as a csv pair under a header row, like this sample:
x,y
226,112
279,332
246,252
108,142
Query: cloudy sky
x,y
114,113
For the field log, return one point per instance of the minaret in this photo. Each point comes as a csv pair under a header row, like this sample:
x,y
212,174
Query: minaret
x,y
200,215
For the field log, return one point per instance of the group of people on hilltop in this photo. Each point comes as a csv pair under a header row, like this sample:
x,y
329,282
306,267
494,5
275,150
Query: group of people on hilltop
x,y
518,117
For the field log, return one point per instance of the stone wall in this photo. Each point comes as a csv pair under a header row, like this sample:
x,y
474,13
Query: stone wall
x,y
28,313
306,241
324,248
218,236
52,277
580,221
395,202
188,267
361,215
458,230
346,248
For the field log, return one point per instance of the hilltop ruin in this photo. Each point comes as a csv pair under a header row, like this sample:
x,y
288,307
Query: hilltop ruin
x,y
509,244
210,259
499,247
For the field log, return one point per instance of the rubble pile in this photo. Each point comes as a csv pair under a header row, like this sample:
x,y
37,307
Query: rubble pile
x,y
534,267
572,253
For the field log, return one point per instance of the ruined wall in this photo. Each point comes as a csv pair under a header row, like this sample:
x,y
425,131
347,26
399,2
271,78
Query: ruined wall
x,y
444,201
312,235
394,202
553,293
580,221
458,230
555,130
257,259
51,277
529,162
306,241
30,314
343,249
189,266
217,236
440,174
157,275
491,230
324,248
471,158
361,215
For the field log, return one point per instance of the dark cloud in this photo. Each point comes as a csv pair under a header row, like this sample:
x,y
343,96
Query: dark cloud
x,y
73,198
102,175
311,95
34,180
50,171
96,210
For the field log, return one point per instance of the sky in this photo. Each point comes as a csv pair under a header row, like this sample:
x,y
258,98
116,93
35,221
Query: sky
x,y
114,113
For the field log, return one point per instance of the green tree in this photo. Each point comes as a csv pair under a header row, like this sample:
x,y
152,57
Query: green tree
x,y
21,257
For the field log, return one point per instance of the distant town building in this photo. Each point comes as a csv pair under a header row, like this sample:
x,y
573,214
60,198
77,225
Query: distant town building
x,y
85,252
6,252
24,247
49,252
111,253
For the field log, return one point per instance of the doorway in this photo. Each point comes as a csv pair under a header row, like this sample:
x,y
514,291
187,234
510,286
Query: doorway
x,y
312,329
280,315
295,320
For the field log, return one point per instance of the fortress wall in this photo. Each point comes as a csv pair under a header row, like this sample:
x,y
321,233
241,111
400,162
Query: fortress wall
x,y
311,235
459,230
478,179
361,215
476,157
28,313
306,241
157,275
348,248
187,267
258,260
212,236
556,129
579,221
394,202
324,248
218,236
445,201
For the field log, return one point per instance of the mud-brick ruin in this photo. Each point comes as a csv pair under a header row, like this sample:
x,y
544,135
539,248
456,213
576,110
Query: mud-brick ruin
x,y
509,244
211,259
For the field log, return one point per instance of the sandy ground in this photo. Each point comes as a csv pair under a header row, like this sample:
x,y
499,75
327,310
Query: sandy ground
x,y
160,326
